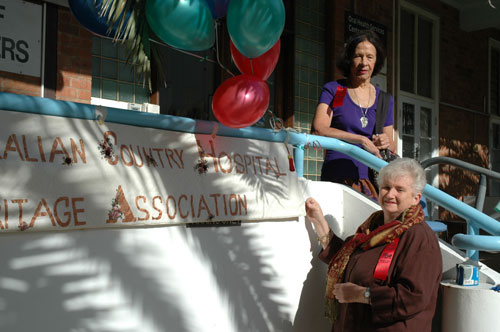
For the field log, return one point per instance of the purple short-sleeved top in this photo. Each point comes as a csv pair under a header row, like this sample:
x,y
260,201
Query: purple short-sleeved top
x,y
338,166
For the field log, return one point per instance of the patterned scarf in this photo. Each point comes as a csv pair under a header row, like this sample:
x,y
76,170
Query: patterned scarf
x,y
366,239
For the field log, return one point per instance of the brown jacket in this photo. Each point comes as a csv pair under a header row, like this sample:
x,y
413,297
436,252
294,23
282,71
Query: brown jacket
x,y
406,301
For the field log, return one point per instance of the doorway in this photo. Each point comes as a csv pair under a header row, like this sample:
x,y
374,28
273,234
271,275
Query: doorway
x,y
418,133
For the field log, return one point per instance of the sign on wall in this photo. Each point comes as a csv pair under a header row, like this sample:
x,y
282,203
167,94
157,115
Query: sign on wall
x,y
20,37
61,173
354,23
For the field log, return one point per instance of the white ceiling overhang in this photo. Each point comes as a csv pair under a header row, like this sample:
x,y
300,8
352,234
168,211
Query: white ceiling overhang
x,y
477,14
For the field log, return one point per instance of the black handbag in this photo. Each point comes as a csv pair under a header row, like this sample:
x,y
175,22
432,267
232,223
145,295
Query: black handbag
x,y
382,109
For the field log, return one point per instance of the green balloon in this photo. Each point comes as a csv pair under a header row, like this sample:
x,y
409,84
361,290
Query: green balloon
x,y
255,25
183,24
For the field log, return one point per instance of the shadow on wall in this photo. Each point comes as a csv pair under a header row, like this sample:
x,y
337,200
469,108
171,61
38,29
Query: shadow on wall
x,y
456,181
160,279
313,292
148,280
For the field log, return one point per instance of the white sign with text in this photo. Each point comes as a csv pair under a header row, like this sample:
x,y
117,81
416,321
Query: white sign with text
x,y
61,173
20,37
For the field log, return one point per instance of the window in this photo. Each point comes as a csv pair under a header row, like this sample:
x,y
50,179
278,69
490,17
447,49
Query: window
x,y
417,103
310,25
112,77
189,83
185,88
416,54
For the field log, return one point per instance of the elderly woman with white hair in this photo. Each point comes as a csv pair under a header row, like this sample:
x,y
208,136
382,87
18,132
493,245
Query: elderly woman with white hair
x,y
386,276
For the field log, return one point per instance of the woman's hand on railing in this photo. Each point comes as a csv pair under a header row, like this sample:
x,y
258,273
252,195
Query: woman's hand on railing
x,y
369,146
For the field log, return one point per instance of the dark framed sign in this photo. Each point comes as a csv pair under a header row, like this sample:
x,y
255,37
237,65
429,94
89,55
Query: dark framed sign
x,y
354,23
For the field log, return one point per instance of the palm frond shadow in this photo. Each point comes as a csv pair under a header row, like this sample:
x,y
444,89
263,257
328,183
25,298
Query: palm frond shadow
x,y
255,174
120,280
92,280
75,274
87,287
314,287
244,277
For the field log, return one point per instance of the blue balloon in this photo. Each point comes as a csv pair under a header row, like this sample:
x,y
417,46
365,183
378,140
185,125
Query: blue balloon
x,y
86,13
255,25
218,7
183,24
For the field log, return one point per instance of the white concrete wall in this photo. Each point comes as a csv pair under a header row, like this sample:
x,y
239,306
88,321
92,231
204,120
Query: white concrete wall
x,y
257,277
468,309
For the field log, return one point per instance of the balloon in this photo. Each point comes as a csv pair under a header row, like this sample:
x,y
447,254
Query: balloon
x,y
183,24
86,13
240,101
218,7
262,66
255,25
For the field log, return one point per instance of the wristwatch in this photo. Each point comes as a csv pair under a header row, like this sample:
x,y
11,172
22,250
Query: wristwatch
x,y
368,294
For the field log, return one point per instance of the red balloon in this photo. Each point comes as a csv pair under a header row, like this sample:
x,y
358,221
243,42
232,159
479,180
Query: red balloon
x,y
262,65
241,101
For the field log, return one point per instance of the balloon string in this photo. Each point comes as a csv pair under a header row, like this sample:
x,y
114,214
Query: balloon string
x,y
217,49
181,51
202,58
251,66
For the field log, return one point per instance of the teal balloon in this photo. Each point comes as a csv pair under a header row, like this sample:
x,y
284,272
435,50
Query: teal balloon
x,y
255,25
184,24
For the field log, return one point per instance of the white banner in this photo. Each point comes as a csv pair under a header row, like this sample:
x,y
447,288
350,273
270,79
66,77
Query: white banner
x,y
62,173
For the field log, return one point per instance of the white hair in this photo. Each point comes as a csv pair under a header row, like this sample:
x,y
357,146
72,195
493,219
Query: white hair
x,y
401,167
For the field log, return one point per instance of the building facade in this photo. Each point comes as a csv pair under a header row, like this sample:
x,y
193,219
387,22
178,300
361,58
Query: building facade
x,y
443,69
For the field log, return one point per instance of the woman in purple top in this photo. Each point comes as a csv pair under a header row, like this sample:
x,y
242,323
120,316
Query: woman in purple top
x,y
347,110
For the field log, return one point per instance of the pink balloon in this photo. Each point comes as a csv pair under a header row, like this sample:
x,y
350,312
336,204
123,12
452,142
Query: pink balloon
x,y
262,65
241,101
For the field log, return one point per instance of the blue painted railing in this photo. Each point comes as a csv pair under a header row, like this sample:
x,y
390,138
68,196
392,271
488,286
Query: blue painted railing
x,y
472,239
21,103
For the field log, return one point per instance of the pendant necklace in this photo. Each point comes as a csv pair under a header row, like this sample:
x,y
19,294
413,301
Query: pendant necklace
x,y
363,119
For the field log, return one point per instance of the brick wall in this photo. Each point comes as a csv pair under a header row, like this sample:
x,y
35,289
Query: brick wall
x,y
74,64
20,84
74,59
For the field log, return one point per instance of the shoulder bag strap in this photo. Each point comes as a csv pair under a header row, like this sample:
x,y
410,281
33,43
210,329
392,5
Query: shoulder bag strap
x,y
382,109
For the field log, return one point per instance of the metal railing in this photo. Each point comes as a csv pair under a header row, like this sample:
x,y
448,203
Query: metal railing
x,y
37,105
472,241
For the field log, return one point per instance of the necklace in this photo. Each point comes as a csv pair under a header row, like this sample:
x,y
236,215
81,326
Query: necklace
x,y
363,118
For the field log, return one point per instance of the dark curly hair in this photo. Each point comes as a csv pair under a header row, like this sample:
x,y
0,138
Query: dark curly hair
x,y
345,61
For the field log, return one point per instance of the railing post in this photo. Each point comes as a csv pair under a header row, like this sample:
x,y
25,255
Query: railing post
x,y
472,230
481,193
298,156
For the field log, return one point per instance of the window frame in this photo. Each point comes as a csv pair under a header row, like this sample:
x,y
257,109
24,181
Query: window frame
x,y
130,105
419,12
413,98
